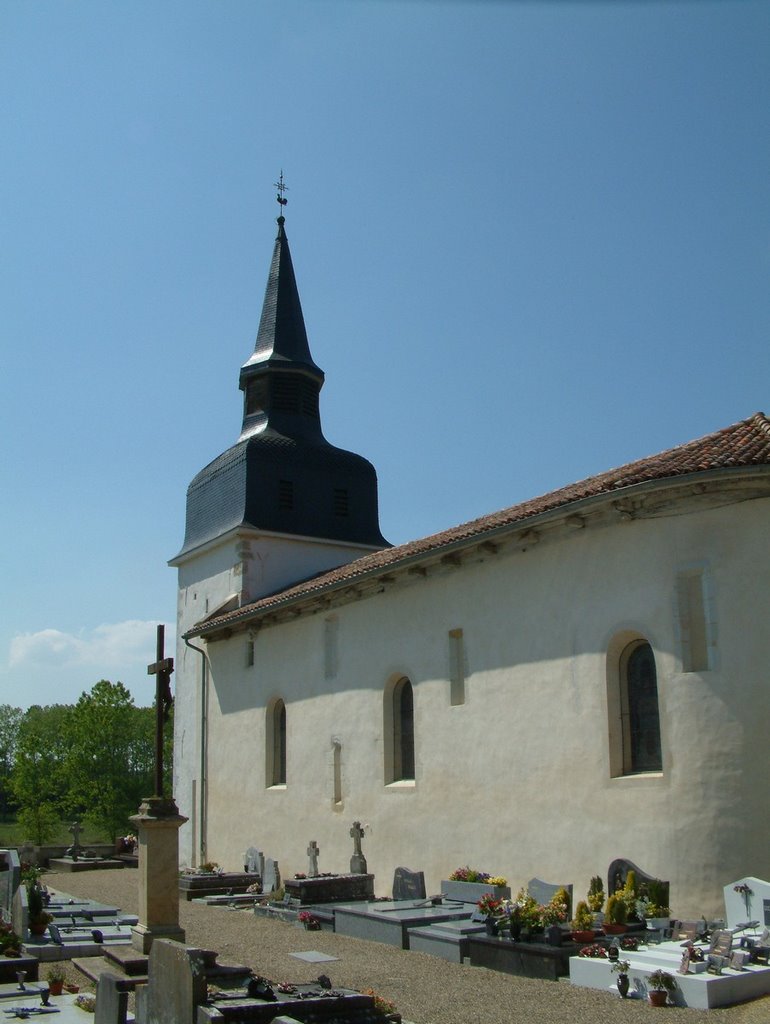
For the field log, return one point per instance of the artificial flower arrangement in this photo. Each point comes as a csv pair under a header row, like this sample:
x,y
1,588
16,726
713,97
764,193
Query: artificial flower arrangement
x,y
595,951
380,1002
468,874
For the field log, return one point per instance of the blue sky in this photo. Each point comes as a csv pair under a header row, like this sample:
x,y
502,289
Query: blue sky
x,y
532,242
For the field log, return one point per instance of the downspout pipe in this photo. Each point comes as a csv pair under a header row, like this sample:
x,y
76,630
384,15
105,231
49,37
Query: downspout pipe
x,y
203,751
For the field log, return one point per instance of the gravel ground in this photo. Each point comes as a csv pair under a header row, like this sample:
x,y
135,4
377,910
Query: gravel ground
x,y
425,989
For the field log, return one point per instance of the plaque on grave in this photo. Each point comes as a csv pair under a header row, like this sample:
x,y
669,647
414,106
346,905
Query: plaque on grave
x,y
721,943
251,861
739,959
408,885
272,880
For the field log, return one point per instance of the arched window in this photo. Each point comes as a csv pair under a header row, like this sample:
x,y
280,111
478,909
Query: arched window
x,y
399,732
639,709
275,745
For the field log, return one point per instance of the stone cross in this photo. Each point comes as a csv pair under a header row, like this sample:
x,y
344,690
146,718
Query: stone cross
x,y
161,668
312,852
76,848
357,861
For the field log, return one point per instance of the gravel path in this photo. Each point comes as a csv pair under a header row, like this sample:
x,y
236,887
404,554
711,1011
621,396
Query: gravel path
x,y
424,988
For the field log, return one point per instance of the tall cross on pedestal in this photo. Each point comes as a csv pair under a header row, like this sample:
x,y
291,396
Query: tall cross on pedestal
x,y
161,668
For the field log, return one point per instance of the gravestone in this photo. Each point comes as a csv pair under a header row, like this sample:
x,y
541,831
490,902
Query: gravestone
x,y
747,899
271,880
408,885
617,874
111,999
253,861
177,985
357,861
544,892
312,854
10,879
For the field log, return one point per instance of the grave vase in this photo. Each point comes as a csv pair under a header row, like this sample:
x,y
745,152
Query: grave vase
x,y
622,984
515,931
657,997
491,925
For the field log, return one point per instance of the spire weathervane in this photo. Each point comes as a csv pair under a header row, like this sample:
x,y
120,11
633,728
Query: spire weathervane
x,y
280,198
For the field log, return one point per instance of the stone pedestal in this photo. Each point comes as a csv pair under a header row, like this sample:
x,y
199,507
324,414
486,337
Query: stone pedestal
x,y
157,827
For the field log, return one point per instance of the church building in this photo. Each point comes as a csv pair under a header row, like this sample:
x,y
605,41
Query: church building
x,y
578,678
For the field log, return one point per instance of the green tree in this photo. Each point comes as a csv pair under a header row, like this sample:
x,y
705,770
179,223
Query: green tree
x,y
110,757
39,776
10,721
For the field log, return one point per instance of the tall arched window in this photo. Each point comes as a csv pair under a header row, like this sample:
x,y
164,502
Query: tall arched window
x,y
639,709
275,745
403,730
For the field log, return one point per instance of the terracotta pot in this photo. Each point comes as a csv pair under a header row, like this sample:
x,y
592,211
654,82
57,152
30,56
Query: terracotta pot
x,y
614,929
55,988
657,996
72,988
586,936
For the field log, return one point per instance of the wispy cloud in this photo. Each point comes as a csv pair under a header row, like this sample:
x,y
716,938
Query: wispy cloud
x,y
110,647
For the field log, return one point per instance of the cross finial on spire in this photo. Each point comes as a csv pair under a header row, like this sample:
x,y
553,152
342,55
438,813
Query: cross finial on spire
x,y
281,189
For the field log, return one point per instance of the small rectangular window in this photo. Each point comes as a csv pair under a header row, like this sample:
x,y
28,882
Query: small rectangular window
x,y
341,505
249,653
456,667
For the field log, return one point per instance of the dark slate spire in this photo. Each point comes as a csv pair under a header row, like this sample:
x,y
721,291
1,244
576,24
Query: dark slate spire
x,y
281,378
282,475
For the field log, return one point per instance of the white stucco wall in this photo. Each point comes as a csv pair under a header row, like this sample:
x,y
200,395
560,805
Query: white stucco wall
x,y
517,779
244,565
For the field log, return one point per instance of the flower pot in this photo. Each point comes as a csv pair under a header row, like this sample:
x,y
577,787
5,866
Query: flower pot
x,y
614,929
55,988
584,936
490,925
623,984
515,928
657,996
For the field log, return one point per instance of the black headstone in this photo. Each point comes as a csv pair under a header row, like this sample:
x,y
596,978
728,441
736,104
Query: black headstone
x,y
408,885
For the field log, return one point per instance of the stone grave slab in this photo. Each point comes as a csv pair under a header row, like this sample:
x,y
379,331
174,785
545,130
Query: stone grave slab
x,y
526,959
330,889
390,921
699,990
68,865
408,884
449,940
312,956
10,966
747,899
225,883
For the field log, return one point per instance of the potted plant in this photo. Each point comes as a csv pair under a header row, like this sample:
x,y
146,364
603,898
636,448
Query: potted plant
x,y
39,918
595,899
582,930
310,921
55,977
660,985
621,968
468,885
615,915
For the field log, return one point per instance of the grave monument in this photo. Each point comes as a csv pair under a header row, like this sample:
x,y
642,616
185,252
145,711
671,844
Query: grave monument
x,y
157,825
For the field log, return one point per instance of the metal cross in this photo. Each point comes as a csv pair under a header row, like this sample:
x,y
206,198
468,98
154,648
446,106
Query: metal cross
x,y
161,668
281,189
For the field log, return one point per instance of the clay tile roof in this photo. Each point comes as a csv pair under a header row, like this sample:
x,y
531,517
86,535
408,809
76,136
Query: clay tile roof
x,y
742,445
